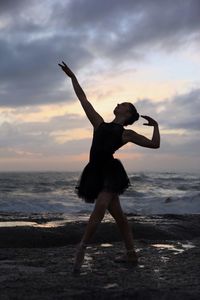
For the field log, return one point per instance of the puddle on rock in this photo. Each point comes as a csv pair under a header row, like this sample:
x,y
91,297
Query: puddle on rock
x,y
141,266
32,224
111,285
156,270
164,246
165,258
17,223
106,245
189,245
174,248
87,257
87,264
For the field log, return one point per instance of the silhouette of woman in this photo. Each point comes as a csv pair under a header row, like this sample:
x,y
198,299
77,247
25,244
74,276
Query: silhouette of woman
x,y
104,177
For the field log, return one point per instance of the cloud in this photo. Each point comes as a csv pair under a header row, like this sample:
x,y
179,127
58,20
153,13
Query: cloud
x,y
97,39
39,138
184,111
36,36
9,6
171,144
30,73
134,26
179,112
42,138
30,51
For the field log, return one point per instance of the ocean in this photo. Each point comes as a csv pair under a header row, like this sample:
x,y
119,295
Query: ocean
x,y
53,192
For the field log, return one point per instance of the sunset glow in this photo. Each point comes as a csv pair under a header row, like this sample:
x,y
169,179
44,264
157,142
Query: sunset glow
x,y
138,57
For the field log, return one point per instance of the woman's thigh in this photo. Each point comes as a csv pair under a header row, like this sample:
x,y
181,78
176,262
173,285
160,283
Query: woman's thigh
x,y
104,198
115,209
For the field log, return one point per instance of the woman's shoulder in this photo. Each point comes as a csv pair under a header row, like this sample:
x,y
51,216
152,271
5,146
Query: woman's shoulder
x,y
98,125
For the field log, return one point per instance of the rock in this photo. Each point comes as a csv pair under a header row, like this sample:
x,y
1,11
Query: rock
x,y
36,263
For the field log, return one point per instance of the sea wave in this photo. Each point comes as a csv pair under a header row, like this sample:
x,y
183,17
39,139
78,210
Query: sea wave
x,y
149,193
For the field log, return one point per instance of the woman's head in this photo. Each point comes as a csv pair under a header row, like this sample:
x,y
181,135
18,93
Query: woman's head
x,y
127,110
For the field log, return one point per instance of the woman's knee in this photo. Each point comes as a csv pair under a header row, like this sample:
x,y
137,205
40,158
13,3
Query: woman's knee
x,y
116,211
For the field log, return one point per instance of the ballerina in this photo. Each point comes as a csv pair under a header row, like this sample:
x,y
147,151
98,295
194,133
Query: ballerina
x,y
104,178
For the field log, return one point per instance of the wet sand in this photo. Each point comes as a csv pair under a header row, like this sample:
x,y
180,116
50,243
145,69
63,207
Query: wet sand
x,y
36,261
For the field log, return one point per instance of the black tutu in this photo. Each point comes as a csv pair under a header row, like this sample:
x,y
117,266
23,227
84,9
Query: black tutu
x,y
110,176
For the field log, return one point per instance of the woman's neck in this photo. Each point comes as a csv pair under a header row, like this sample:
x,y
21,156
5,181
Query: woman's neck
x,y
119,121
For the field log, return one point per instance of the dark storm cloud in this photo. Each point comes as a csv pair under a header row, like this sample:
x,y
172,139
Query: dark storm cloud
x,y
35,36
30,50
8,6
29,71
124,27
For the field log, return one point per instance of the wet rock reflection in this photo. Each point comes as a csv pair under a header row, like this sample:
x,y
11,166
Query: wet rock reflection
x,y
179,248
106,245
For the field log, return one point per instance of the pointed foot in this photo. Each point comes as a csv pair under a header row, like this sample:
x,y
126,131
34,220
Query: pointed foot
x,y
79,258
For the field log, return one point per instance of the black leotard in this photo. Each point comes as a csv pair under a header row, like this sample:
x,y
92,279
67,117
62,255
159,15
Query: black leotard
x,y
103,171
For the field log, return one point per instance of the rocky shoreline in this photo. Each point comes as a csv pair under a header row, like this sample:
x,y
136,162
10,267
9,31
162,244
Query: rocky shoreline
x,y
36,262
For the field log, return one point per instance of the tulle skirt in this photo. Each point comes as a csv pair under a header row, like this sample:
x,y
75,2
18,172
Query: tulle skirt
x,y
110,176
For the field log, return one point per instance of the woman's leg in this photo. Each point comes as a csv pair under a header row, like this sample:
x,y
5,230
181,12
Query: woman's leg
x,y
116,211
101,204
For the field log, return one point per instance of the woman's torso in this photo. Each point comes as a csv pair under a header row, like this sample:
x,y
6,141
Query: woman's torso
x,y
107,138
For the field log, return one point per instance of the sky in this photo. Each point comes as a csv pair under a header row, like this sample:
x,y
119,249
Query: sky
x,y
141,51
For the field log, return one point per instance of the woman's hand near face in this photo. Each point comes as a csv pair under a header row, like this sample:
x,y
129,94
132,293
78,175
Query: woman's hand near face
x,y
151,122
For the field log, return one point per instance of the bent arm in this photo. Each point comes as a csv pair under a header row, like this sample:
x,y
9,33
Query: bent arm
x,y
156,137
143,141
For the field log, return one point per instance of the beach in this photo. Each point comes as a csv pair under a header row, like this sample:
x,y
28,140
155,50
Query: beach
x,y
37,252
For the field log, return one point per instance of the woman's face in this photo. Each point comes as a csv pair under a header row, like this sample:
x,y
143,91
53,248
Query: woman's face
x,y
122,109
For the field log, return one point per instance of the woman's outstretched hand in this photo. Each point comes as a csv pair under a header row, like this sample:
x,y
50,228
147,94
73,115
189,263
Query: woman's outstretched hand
x,y
66,69
151,121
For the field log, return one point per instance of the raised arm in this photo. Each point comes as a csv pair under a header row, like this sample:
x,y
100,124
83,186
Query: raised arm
x,y
141,140
91,113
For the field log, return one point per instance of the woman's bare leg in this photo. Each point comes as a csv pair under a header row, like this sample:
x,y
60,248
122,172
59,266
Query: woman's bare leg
x,y
116,211
101,204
